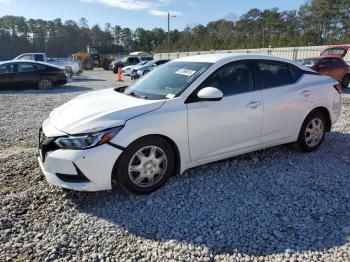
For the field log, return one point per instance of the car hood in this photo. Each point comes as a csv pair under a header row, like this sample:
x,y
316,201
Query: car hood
x,y
144,67
99,110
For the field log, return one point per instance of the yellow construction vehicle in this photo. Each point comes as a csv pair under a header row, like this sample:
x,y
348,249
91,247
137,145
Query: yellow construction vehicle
x,y
92,58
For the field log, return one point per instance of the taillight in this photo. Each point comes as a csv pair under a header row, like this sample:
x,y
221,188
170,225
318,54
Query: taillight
x,y
339,88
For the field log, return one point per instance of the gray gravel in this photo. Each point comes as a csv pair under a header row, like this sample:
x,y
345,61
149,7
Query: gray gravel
x,y
272,205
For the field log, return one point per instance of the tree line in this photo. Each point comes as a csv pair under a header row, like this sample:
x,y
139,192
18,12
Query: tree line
x,y
316,22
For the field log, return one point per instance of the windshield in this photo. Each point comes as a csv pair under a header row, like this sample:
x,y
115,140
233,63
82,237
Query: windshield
x,y
150,63
168,80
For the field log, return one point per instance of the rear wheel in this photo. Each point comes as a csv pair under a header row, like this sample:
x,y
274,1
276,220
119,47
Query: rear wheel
x,y
45,83
346,81
312,132
145,165
146,72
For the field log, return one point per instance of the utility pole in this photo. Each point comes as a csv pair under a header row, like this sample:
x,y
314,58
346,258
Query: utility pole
x,y
169,30
264,36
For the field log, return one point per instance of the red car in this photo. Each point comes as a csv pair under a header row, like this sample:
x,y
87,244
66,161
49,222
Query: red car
x,y
331,63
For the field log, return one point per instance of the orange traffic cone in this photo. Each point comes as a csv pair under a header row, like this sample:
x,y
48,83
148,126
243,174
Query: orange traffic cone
x,y
119,74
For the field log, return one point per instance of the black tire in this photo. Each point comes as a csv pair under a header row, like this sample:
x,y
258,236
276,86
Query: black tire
x,y
346,81
45,83
106,66
88,65
146,72
121,169
302,143
69,73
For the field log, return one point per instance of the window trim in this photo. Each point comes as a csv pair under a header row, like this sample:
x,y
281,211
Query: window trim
x,y
192,98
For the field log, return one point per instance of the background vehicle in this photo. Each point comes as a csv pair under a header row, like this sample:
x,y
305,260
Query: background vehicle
x,y
142,70
330,65
71,66
126,70
338,50
26,73
93,58
125,61
185,113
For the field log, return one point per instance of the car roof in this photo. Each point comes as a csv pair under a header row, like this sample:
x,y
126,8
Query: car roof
x,y
30,61
346,47
214,58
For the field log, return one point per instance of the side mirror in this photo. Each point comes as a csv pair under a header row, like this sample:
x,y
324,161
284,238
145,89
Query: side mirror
x,y
210,94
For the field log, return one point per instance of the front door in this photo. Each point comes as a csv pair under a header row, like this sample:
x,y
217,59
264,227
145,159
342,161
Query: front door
x,y
216,128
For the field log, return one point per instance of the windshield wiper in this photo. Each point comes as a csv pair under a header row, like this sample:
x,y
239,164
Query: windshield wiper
x,y
138,96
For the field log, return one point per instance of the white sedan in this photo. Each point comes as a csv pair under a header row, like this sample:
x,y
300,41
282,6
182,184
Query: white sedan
x,y
189,112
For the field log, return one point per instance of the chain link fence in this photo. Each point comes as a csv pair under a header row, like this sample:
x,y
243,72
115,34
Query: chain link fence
x,y
293,53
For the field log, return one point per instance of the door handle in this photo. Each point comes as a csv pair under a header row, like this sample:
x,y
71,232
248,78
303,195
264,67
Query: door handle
x,y
254,104
305,93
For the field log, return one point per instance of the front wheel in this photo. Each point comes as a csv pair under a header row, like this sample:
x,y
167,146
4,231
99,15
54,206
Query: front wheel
x,y
45,83
145,165
312,132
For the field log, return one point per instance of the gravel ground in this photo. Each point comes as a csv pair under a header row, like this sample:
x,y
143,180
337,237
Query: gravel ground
x,y
272,205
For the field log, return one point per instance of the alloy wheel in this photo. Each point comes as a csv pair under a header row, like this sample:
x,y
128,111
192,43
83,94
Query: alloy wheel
x,y
314,132
45,84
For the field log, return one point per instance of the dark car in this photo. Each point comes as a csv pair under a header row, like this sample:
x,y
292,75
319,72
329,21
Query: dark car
x,y
16,74
126,61
146,68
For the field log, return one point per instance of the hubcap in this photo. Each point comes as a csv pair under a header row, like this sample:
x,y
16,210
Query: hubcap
x,y
147,166
314,132
45,84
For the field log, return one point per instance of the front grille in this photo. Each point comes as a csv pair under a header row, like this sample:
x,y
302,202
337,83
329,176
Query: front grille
x,y
46,144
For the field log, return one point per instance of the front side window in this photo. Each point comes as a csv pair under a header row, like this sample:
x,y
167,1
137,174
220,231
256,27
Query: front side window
x,y
167,81
6,69
273,73
326,63
25,57
233,78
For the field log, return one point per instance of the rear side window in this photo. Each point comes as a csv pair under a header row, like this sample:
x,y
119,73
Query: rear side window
x,y
273,73
233,78
39,58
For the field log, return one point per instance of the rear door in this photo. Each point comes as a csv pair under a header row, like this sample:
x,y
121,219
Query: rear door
x,y
284,100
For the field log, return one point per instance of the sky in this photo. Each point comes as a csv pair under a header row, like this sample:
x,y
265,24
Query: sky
x,y
140,13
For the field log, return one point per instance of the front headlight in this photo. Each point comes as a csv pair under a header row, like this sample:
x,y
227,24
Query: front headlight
x,y
87,140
